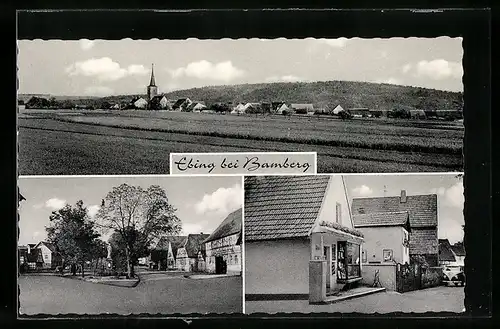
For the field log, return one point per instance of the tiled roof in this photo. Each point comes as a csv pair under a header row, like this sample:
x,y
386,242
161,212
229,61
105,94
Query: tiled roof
x,y
445,253
229,226
398,218
177,241
422,209
194,244
281,207
423,241
49,245
179,102
458,249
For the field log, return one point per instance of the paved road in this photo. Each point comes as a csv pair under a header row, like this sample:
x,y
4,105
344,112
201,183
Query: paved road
x,y
439,299
156,293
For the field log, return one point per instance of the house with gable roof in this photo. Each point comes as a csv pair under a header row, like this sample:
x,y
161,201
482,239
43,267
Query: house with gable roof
x,y
50,256
459,253
164,255
187,254
422,212
387,244
223,246
446,255
300,241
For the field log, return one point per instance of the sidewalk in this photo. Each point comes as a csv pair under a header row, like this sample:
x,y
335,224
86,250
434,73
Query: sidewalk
x,y
209,276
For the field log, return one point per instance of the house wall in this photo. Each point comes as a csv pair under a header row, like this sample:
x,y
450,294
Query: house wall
x,y
379,238
387,275
230,252
335,193
46,255
277,267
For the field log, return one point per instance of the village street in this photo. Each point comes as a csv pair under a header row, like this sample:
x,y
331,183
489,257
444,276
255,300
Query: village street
x,y
438,299
165,293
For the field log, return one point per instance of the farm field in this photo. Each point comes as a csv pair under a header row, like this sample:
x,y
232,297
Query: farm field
x,y
138,142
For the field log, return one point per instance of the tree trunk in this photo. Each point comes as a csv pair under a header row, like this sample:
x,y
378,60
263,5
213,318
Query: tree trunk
x,y
130,269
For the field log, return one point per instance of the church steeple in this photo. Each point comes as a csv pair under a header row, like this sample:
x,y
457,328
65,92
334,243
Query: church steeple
x,y
152,89
152,83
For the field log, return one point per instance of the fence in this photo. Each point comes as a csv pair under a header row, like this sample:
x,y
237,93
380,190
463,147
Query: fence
x,y
415,276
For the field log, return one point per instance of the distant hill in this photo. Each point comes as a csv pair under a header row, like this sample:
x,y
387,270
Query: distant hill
x,y
323,94
328,94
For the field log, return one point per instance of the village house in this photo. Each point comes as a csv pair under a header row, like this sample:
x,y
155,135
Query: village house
x,y
422,212
283,108
181,104
303,108
164,255
223,246
446,255
196,107
238,109
337,110
300,241
187,255
417,114
360,112
459,253
140,103
51,258
30,256
252,108
386,245
158,102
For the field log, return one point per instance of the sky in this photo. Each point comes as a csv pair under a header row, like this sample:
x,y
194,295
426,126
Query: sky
x,y
122,67
202,202
449,190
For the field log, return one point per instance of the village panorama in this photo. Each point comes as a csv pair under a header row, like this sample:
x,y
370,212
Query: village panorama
x,y
328,96
130,245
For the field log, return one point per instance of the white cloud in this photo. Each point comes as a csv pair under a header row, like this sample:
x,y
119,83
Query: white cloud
x,y
439,69
55,204
454,196
451,229
104,69
92,210
362,190
336,43
406,68
438,190
284,78
98,91
223,71
86,44
190,228
224,200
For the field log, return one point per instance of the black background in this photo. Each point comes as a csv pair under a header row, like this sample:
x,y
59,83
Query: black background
x,y
471,24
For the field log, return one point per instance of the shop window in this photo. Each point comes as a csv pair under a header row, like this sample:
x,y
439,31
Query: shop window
x,y
364,257
388,255
353,260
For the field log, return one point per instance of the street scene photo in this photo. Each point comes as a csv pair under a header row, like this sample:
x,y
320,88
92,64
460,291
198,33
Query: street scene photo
x,y
88,107
130,245
354,243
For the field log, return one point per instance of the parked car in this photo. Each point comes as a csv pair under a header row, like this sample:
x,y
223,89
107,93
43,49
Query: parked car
x,y
453,276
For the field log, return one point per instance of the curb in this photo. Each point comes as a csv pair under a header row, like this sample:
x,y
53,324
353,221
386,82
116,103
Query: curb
x,y
360,294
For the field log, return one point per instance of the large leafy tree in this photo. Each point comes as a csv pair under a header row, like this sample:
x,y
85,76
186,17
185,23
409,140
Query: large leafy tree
x,y
137,213
74,235
119,246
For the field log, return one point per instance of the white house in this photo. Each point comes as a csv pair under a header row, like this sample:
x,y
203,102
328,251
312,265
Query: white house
x,y
299,237
223,246
338,109
282,108
141,103
238,109
51,258
187,255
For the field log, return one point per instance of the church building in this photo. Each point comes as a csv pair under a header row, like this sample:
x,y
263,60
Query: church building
x,y
152,89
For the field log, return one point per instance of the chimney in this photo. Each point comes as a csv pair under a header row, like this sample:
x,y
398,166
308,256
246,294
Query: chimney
x,y
403,196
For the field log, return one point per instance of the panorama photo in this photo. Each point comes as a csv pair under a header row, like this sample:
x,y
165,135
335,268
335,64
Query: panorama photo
x,y
122,106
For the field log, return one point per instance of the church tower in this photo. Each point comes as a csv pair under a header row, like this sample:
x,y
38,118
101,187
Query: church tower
x,y
152,89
